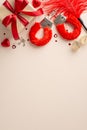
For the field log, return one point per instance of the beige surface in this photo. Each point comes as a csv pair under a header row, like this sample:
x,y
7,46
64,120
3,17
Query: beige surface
x,y
43,88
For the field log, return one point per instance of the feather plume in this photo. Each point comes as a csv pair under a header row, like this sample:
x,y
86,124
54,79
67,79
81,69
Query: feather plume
x,y
74,7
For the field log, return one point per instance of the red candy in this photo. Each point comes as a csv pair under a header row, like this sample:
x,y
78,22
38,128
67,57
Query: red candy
x,y
36,3
5,43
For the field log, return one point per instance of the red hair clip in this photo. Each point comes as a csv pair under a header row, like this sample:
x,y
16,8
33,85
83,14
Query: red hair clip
x,y
59,22
46,25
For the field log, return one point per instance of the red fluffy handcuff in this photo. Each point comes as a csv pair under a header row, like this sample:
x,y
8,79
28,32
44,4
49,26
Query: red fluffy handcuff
x,y
59,23
61,28
46,25
72,9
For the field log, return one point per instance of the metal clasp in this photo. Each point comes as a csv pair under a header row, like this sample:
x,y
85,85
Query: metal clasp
x,y
46,23
60,19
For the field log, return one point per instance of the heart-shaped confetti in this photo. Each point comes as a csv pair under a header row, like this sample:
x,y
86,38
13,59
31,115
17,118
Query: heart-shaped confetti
x,y
5,43
36,3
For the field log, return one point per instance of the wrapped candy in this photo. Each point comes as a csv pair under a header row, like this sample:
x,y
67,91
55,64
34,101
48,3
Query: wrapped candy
x,y
77,44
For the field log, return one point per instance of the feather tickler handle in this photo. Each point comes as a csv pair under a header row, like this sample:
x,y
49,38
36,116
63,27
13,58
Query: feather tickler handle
x,y
74,7
82,23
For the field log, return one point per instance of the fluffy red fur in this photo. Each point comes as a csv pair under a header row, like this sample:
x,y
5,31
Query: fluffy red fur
x,y
70,35
74,7
43,41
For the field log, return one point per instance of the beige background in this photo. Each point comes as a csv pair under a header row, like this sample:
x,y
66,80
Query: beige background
x,y
43,88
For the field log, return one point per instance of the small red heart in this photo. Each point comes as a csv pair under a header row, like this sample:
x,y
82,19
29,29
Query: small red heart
x,y
5,43
36,3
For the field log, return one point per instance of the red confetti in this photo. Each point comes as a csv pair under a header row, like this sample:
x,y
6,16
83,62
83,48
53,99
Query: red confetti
x,y
55,40
13,46
55,35
69,44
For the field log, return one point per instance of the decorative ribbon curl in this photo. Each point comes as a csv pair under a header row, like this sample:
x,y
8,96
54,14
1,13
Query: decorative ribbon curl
x,y
16,11
70,35
42,41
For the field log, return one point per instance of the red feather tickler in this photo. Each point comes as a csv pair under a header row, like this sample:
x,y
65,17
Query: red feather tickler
x,y
74,7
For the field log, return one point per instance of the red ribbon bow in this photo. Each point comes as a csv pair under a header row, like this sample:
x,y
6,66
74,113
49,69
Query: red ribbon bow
x,y
16,11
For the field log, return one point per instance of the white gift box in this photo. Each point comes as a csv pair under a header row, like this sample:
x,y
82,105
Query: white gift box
x,y
5,12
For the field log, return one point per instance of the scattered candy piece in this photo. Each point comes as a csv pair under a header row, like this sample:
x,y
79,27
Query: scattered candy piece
x,y
83,40
77,44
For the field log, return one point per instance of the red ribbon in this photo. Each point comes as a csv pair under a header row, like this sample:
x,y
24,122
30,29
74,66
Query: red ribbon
x,y
16,11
